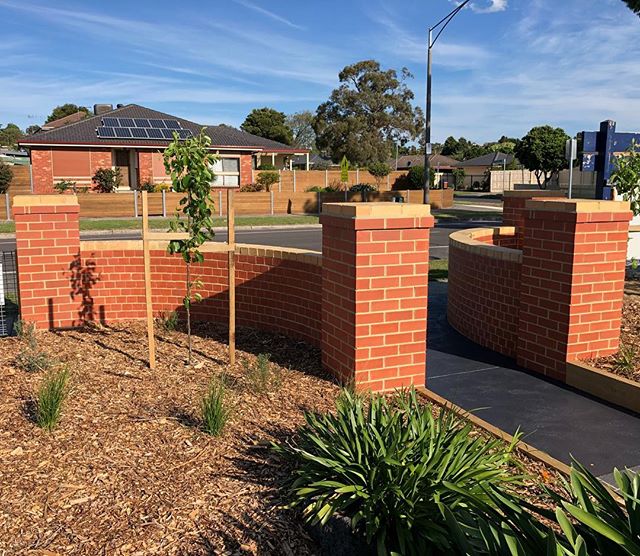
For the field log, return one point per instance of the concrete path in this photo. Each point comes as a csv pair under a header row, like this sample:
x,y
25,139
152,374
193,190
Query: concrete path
x,y
553,418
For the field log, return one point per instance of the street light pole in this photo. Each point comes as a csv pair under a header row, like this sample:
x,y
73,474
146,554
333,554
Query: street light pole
x,y
427,128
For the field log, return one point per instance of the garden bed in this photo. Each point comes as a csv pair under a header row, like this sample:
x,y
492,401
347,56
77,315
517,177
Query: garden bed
x,y
128,470
627,362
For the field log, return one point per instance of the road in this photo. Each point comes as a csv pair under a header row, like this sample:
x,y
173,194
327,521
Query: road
x,y
302,238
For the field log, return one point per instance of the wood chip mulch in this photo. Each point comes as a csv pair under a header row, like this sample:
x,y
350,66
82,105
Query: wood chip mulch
x,y
128,470
629,335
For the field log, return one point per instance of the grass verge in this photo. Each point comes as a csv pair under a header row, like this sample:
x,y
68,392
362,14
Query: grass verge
x,y
462,214
439,269
105,224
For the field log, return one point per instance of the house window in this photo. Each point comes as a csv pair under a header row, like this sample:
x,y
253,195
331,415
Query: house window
x,y
227,172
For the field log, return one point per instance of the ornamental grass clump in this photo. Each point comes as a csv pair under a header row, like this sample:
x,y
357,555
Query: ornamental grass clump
x,y
215,412
31,358
400,474
51,396
262,375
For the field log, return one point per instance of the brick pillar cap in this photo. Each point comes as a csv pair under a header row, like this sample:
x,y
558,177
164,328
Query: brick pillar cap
x,y
577,206
531,193
55,200
376,210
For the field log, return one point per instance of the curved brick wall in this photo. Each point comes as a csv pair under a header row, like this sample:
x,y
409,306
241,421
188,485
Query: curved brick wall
x,y
276,289
484,287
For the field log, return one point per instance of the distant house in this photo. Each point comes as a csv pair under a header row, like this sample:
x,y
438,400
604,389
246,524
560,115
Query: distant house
x,y
480,164
438,162
70,119
316,162
11,156
133,138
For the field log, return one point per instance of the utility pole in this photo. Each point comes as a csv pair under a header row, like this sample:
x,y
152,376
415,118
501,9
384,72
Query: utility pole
x,y
442,24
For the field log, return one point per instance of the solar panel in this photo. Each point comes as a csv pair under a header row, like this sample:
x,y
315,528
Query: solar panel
x,y
126,122
158,124
123,132
184,133
110,122
141,122
172,124
106,132
139,132
154,133
167,133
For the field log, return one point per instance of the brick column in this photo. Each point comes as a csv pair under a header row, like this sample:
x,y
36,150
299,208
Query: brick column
x,y
145,167
48,245
375,270
513,208
572,282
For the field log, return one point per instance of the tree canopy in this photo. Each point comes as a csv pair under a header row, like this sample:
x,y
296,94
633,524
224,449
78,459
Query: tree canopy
x,y
9,135
542,152
367,115
66,110
634,5
268,123
301,125
464,149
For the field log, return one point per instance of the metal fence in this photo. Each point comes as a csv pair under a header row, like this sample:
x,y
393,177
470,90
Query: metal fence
x,y
9,298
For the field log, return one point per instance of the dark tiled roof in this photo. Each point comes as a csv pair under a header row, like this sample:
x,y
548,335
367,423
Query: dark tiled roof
x,y
488,159
75,117
84,133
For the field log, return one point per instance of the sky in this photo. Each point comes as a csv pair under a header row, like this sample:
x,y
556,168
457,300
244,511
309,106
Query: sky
x,y
500,68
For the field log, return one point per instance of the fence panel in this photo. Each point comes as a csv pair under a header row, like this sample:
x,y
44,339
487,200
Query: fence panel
x,y
105,205
9,298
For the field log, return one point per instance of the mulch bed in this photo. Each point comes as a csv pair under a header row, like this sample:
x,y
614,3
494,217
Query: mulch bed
x,y
629,334
128,471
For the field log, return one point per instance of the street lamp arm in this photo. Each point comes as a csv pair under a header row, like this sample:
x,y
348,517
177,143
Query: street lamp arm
x,y
446,20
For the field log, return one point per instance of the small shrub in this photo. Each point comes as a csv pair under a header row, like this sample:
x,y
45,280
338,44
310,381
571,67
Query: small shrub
x,y
458,178
51,396
215,412
25,330
624,362
267,179
32,359
66,185
148,186
363,187
400,474
251,187
107,180
168,320
322,189
6,175
266,167
261,374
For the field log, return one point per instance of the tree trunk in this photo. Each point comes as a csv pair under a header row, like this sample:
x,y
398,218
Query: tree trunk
x,y
188,308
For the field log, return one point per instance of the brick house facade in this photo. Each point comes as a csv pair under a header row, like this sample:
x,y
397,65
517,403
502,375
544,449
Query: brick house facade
x,y
75,151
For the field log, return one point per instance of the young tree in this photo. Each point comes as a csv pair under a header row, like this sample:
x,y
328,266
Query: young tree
x,y
189,163
367,115
301,125
6,175
268,123
626,178
66,110
541,151
9,135
379,170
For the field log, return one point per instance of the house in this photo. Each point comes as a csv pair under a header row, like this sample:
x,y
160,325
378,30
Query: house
x,y
438,162
10,156
480,164
133,138
314,161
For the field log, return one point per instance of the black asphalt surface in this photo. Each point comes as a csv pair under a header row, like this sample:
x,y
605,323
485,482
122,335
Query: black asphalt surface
x,y
555,419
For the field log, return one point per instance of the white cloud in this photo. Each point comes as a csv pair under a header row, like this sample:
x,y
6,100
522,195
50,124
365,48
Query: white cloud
x,y
493,6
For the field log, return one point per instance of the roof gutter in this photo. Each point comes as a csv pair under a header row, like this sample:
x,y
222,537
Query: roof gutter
x,y
121,146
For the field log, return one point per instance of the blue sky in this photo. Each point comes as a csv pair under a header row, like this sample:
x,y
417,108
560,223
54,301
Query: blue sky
x,y
501,67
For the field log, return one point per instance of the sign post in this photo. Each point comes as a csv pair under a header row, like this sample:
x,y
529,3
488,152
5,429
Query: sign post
x,y
571,153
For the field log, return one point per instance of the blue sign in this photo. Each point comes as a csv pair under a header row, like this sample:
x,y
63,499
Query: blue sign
x,y
598,149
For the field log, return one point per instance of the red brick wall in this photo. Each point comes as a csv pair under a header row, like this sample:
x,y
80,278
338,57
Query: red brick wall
x,y
42,170
573,266
484,291
513,210
374,299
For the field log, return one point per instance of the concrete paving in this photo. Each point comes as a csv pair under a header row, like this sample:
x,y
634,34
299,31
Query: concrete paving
x,y
553,418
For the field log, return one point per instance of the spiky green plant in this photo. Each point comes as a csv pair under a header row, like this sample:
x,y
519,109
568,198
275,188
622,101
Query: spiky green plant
x,y
51,396
400,474
624,362
215,412
261,374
